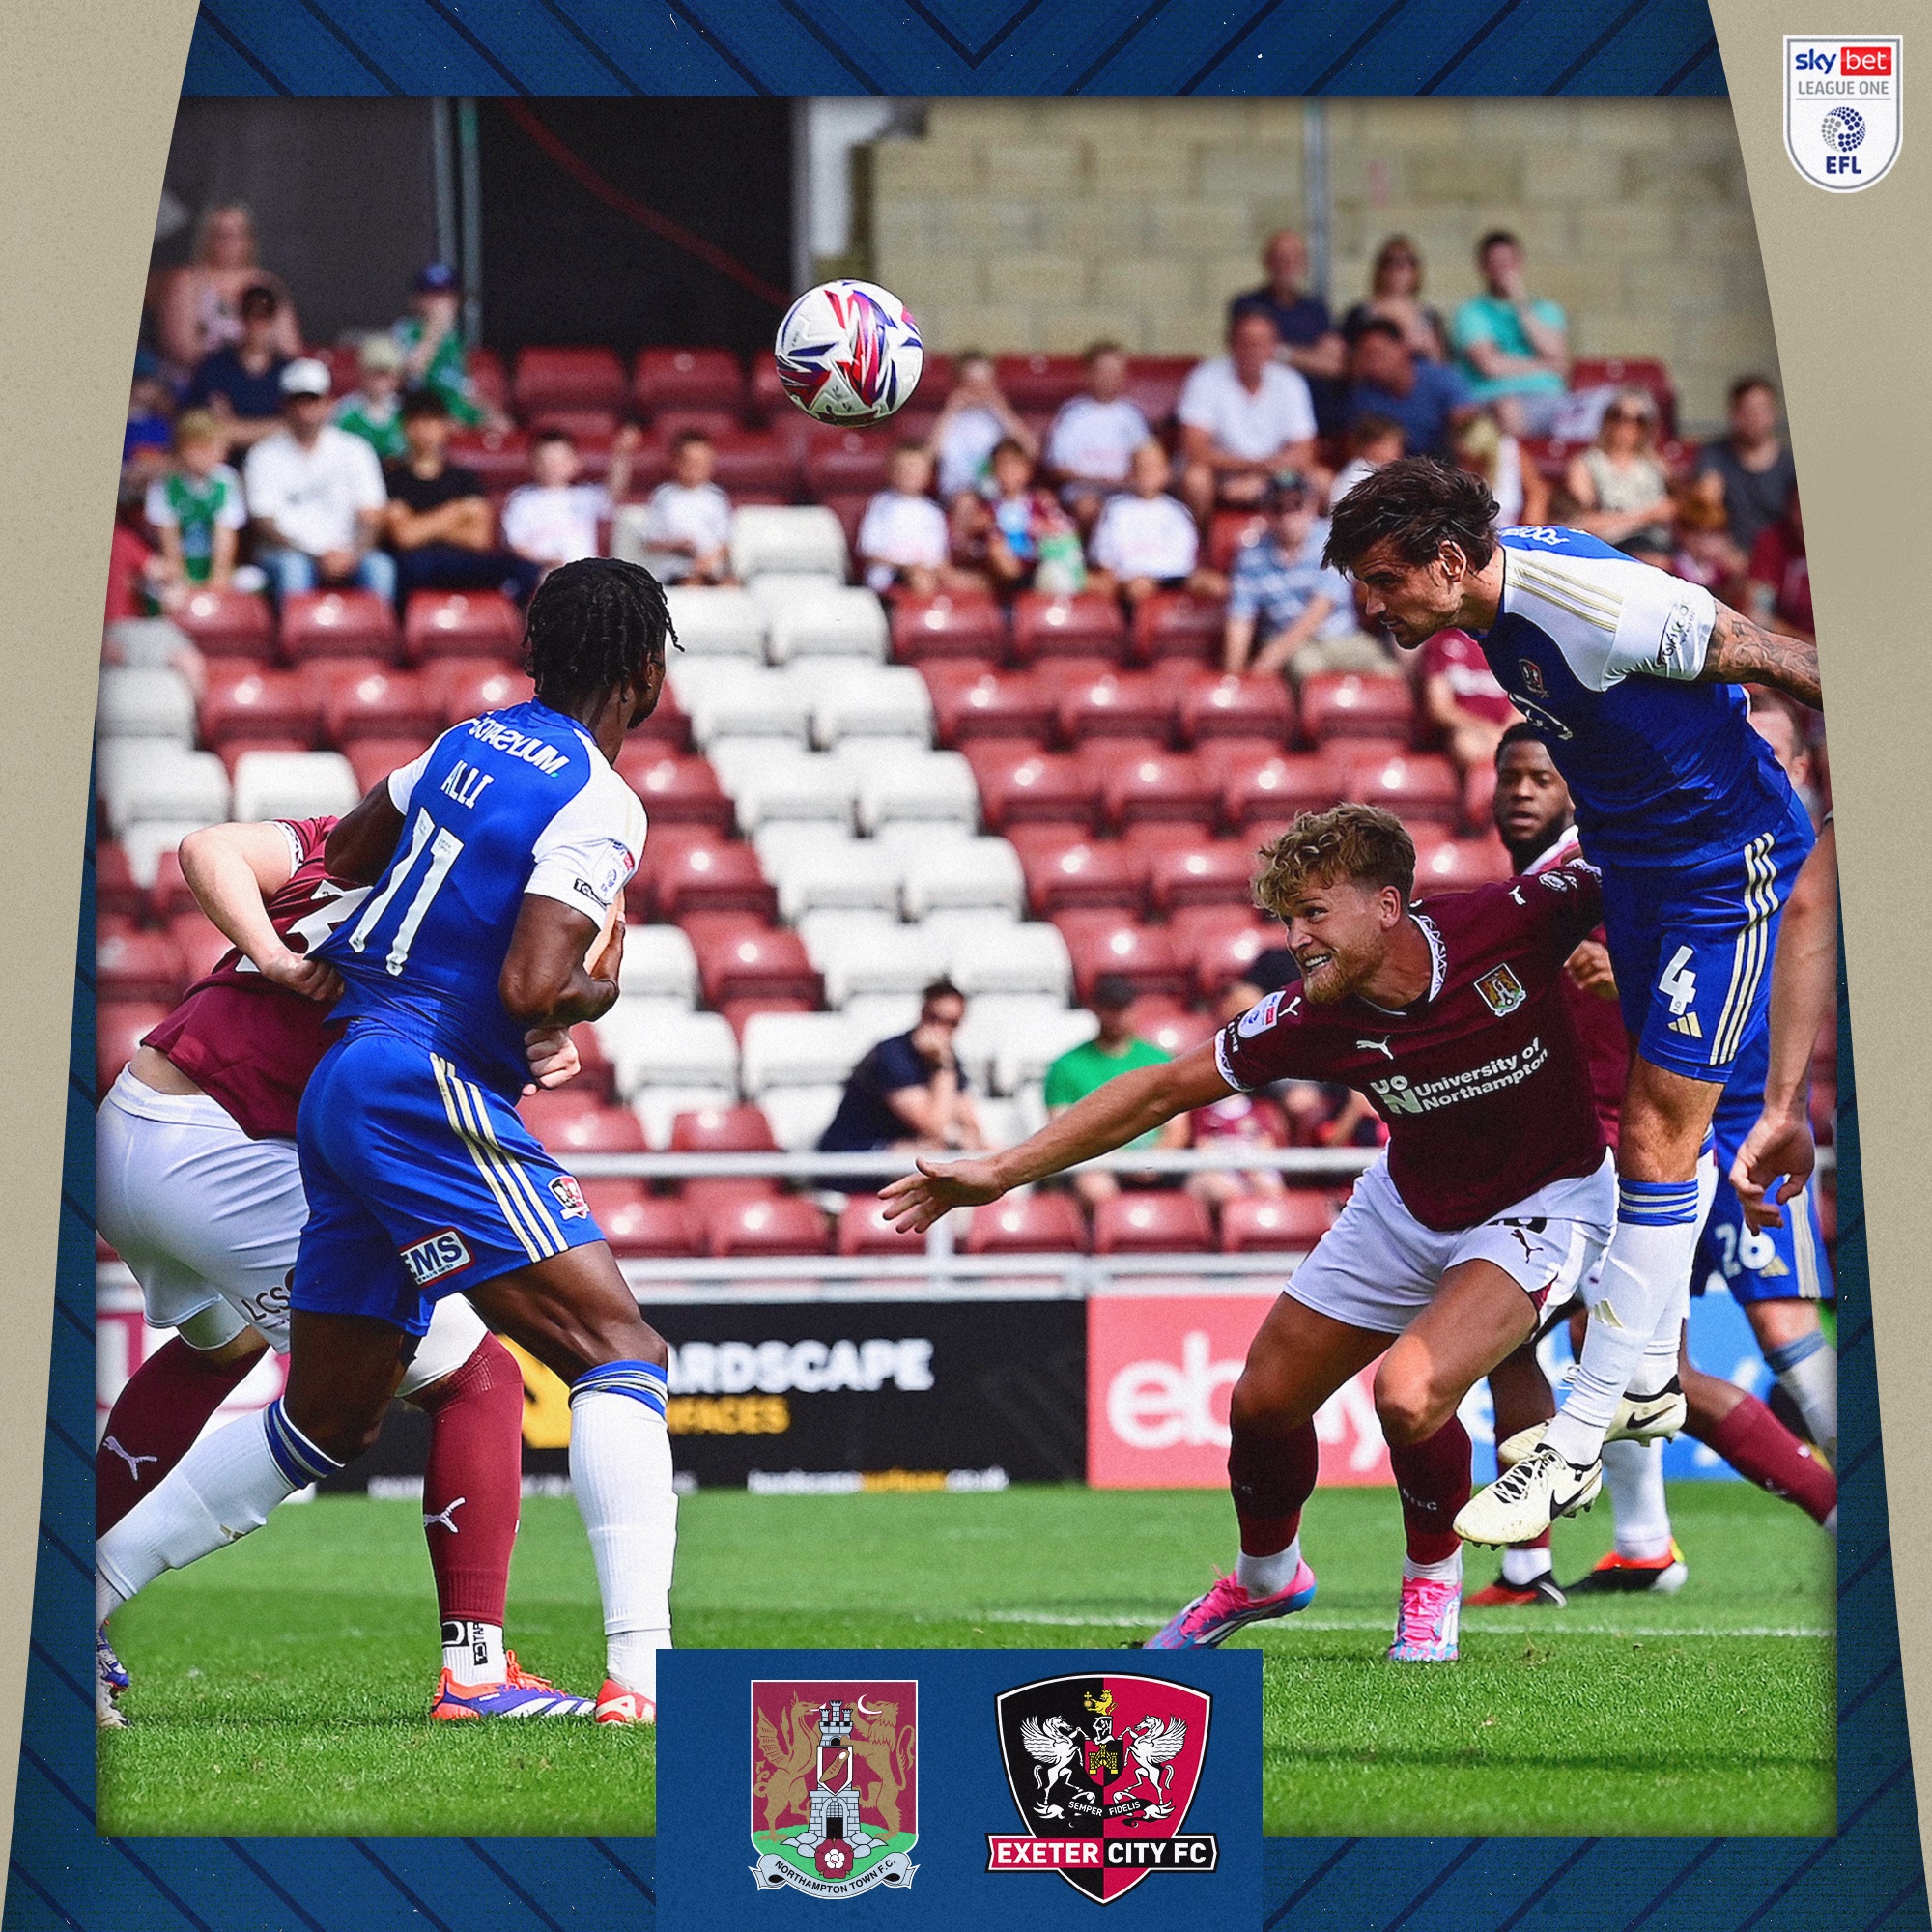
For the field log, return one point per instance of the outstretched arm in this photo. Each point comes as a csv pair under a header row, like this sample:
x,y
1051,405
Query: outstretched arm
x,y
1742,652
1127,1107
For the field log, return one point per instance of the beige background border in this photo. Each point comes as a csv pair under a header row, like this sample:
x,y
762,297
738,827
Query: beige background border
x,y
1850,277
88,89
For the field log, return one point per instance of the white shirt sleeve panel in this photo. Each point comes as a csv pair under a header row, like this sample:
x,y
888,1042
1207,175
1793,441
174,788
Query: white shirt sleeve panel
x,y
264,481
587,854
1612,618
403,781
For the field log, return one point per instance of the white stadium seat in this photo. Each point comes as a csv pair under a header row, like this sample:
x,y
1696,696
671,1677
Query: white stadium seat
x,y
1029,957
880,1016
654,1044
1000,1119
145,641
829,928
798,1050
972,872
716,621
144,779
658,964
1028,1048
899,959
873,701
787,785
659,1106
920,834
293,784
954,926
849,875
830,621
989,1018
145,702
732,697
936,786
799,1114
145,843
768,539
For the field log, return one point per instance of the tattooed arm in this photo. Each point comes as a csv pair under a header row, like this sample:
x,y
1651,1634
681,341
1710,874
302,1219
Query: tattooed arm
x,y
1740,652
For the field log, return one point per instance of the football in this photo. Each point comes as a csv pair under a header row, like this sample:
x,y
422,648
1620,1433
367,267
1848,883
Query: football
x,y
849,352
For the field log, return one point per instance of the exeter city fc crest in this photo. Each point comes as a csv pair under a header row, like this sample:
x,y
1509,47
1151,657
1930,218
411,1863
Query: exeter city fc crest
x,y
835,1785
1842,107
1103,1770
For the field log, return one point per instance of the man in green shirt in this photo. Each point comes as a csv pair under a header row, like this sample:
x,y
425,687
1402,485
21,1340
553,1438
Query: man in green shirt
x,y
1513,352
434,357
1114,1049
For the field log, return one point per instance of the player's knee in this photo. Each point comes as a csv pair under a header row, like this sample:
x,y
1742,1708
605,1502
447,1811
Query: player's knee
x,y
1408,1403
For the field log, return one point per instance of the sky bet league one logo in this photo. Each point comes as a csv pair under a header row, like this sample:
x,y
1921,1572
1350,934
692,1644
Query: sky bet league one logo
x,y
1842,107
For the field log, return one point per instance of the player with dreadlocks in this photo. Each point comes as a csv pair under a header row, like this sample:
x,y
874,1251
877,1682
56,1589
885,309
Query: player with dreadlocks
x,y
496,864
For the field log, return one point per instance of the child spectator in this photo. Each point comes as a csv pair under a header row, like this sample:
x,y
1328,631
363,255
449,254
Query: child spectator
x,y
1462,700
242,382
687,521
375,412
439,523
902,537
1025,538
434,355
1146,540
976,417
1485,450
1373,440
197,512
554,519
1621,491
1094,438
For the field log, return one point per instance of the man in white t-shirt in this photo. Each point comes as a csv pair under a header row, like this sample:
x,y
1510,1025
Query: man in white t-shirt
x,y
1146,540
686,525
1243,416
554,519
316,496
903,540
1092,439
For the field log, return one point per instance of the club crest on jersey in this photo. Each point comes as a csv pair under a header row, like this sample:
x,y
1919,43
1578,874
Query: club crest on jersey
x,y
1260,1016
436,1256
1501,991
569,1197
1532,677
835,1785
1103,1770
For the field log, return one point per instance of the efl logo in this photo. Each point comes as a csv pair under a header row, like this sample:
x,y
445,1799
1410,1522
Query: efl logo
x,y
1841,109
436,1256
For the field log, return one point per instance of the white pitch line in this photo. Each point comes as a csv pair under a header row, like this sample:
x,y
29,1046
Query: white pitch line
x,y
1549,1626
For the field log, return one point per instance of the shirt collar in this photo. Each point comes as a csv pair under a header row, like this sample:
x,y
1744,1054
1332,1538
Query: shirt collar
x,y
1439,966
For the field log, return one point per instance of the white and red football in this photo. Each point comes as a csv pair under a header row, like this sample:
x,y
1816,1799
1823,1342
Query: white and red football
x,y
849,352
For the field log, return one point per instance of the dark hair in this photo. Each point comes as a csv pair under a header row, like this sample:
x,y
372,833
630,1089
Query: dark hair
x,y
592,626
419,404
258,298
1271,969
1418,504
1112,993
1372,428
685,438
1005,444
1496,237
1242,311
551,433
1520,733
1745,384
910,446
941,988
1097,349
1375,324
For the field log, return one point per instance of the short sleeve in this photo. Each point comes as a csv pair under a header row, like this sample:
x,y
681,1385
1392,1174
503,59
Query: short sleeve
x,y
1196,406
157,510
1059,1091
263,486
1296,406
306,836
587,854
1612,617
1473,324
403,781
371,492
898,1065
233,515
1264,1045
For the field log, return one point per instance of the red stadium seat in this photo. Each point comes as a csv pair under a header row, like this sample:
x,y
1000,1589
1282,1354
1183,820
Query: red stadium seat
x,y
1154,383
768,400
1265,794
549,379
1453,864
464,688
758,965
1171,626
379,705
489,380
1254,708
373,759
568,1121
1039,381
753,460
1116,705
1420,787
1017,787
200,943
705,379
170,895
596,1077
591,430
781,1224
499,457
1290,1223
1015,705
116,890
1170,786
675,420
138,966
344,363
1047,1223
1152,1221
338,624
227,623
1636,373
1115,943
739,1014
1218,871
1229,532
846,458
461,624
1479,794
722,1130
1222,942
243,701
1085,626
1341,704
1064,875
1176,1033
864,1230
691,871
119,1026
639,1223
676,791
947,625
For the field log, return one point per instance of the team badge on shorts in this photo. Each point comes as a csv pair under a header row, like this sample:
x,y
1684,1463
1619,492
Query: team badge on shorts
x,y
1103,1770
569,1197
835,1785
1501,990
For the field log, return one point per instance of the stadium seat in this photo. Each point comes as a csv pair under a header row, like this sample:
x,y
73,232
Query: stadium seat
x,y
1287,1223
227,623
805,540
1064,874
1593,372
1029,957
1420,787
338,624
658,964
1021,787
896,959
642,1225
727,699
139,966
116,890
549,379
1248,708
750,464
650,1044
766,399
199,942
1171,786
1172,627
1341,704
1023,1044
135,701
1176,1033
241,702
1217,871
294,785
1152,1221
499,457
676,789
846,874
842,459
464,688
1047,1223
863,1229
1117,704
1479,793
569,1122
1453,864
1222,942
800,1114
717,620
597,1072
757,965
1116,944
779,783
783,1225
740,1129
690,872
871,701
969,873
827,620
1088,625
1260,794
799,1050
461,624
1154,383
1038,382
373,759
1015,705
146,642
923,788
379,705
150,840
144,781
119,1027
708,379
1229,534
948,624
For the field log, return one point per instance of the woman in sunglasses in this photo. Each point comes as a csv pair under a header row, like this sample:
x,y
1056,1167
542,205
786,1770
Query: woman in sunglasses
x,y
1395,290
1620,487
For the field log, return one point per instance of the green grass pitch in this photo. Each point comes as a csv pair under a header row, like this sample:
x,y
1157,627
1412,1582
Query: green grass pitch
x,y
280,1686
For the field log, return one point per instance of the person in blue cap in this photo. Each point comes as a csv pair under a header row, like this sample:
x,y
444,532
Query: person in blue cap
x,y
435,356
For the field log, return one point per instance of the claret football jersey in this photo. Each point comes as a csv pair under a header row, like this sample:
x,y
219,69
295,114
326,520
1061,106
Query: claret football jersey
x,y
1482,1081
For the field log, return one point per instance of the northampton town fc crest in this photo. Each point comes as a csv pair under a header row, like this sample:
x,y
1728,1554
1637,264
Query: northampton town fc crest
x,y
1103,1770
835,1785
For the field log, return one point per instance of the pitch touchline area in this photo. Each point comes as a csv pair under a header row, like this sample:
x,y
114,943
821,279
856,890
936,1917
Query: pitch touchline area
x,y
1547,1626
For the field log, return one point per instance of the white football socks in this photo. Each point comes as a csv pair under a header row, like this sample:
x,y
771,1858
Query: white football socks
x,y
1268,1576
1448,1569
1634,1473
473,1652
1522,1567
1807,1371
620,1474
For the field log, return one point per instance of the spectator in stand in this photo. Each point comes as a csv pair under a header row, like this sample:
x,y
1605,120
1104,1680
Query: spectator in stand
x,y
1307,338
375,412
1301,612
1094,438
240,383
1146,540
150,433
439,523
1024,538
1395,294
1373,440
1243,416
1462,700
904,541
1705,555
554,519
1781,576
1114,1049
316,496
1427,399
1522,492
687,522
975,419
200,305
1240,1120
1787,729
908,1094
434,354
198,513
1621,490
1750,474
1514,348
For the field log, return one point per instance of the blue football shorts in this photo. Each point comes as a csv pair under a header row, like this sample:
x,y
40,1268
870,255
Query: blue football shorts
x,y
420,1183
1691,947
1787,1263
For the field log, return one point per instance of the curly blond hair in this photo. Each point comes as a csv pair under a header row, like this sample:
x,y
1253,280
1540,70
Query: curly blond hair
x,y
1358,843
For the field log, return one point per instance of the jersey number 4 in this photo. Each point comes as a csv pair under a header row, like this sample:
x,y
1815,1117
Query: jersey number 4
x,y
445,849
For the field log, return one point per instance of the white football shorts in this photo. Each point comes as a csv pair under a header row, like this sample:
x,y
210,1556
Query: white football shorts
x,y
1379,1267
209,1221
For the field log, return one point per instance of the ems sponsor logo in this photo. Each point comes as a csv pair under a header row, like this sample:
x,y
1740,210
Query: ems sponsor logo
x,y
436,1256
570,1197
1103,1770
1501,990
1260,1016
1842,107
835,1785
1507,1069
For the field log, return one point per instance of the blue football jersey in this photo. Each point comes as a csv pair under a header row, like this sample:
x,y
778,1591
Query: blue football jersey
x,y
513,803
1603,654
